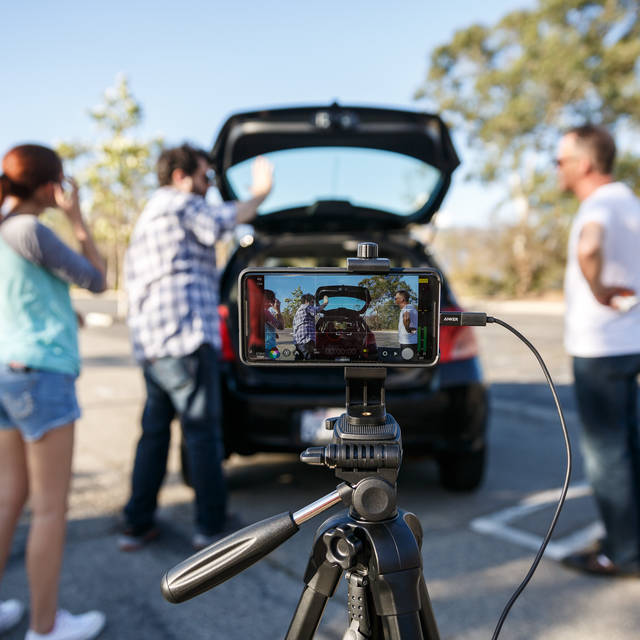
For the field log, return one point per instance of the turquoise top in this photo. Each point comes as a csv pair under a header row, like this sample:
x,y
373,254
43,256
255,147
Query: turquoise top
x,y
38,326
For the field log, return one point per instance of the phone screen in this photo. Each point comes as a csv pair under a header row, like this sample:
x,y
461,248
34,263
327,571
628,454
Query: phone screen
x,y
337,317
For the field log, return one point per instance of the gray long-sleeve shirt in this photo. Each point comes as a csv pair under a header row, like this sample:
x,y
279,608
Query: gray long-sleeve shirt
x,y
37,243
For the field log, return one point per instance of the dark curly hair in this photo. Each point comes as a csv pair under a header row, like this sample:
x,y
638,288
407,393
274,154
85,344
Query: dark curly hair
x,y
184,157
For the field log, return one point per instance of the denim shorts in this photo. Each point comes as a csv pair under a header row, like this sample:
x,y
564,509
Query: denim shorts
x,y
36,401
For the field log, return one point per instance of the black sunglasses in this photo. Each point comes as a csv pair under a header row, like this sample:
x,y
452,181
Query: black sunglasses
x,y
558,162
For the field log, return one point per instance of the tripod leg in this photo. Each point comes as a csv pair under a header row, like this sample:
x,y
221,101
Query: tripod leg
x,y
399,606
411,625
406,625
419,624
429,627
397,586
320,587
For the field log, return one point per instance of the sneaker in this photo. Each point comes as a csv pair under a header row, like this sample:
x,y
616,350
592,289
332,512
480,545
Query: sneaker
x,y
11,612
84,626
201,540
128,540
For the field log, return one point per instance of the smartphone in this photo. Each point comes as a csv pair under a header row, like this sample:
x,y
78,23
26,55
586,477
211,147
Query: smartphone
x,y
67,185
335,317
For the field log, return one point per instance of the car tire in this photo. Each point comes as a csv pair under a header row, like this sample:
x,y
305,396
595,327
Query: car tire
x,y
462,470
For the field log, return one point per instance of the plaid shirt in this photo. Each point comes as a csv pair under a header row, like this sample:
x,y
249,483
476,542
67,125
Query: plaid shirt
x,y
171,276
304,324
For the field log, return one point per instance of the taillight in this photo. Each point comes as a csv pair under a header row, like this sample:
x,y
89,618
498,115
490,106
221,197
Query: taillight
x,y
457,343
227,353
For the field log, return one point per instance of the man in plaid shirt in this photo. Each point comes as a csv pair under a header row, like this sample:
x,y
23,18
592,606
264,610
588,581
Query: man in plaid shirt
x,y
172,287
304,325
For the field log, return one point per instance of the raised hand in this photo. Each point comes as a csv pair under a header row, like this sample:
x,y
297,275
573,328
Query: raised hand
x,y
68,201
262,177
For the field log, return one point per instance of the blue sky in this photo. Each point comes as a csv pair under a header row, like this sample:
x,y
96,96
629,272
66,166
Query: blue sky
x,y
192,64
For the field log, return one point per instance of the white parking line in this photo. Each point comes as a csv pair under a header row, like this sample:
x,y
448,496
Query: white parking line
x,y
497,524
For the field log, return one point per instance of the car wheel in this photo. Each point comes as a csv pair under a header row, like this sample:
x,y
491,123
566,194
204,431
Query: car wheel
x,y
462,470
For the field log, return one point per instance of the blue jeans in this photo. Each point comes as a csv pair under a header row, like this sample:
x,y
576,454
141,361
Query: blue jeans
x,y
187,386
607,396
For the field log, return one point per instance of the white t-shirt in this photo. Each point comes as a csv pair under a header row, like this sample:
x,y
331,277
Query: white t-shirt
x,y
592,329
404,337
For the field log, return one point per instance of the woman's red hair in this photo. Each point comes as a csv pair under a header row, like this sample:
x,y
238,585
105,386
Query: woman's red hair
x,y
27,167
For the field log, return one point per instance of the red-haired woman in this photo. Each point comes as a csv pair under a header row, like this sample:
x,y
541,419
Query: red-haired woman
x,y
39,363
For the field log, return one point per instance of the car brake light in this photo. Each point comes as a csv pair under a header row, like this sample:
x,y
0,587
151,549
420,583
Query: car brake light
x,y
227,353
457,343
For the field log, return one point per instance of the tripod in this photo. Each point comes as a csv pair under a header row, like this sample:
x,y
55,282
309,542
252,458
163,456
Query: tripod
x,y
374,544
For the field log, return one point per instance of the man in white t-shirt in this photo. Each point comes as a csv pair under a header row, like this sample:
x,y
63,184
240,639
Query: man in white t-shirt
x,y
602,333
407,325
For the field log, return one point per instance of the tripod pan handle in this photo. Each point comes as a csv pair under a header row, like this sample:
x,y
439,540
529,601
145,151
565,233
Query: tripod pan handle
x,y
226,558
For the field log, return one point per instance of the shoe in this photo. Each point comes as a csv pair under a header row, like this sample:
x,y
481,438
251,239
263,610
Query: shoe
x,y
129,540
11,612
597,563
202,540
84,626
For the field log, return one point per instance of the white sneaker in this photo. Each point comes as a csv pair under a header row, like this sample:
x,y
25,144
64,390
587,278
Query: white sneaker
x,y
11,612
84,626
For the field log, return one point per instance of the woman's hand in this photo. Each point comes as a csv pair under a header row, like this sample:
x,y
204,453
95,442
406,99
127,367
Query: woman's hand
x,y
68,201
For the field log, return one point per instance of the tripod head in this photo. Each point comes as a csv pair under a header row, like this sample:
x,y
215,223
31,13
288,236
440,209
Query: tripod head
x,y
366,447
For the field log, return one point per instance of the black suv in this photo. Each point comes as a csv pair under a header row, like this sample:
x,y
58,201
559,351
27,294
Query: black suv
x,y
345,175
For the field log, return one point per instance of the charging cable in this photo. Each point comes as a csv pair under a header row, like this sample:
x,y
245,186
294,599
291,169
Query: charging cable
x,y
475,319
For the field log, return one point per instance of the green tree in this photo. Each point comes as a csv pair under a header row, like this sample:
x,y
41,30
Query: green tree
x,y
115,172
291,305
511,89
383,312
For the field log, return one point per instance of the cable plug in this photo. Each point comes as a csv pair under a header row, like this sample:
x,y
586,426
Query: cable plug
x,y
462,319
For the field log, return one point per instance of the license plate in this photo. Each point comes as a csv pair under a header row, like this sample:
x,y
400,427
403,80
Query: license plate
x,y
312,429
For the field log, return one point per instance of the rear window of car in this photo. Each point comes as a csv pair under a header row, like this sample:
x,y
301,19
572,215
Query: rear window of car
x,y
335,302
367,178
